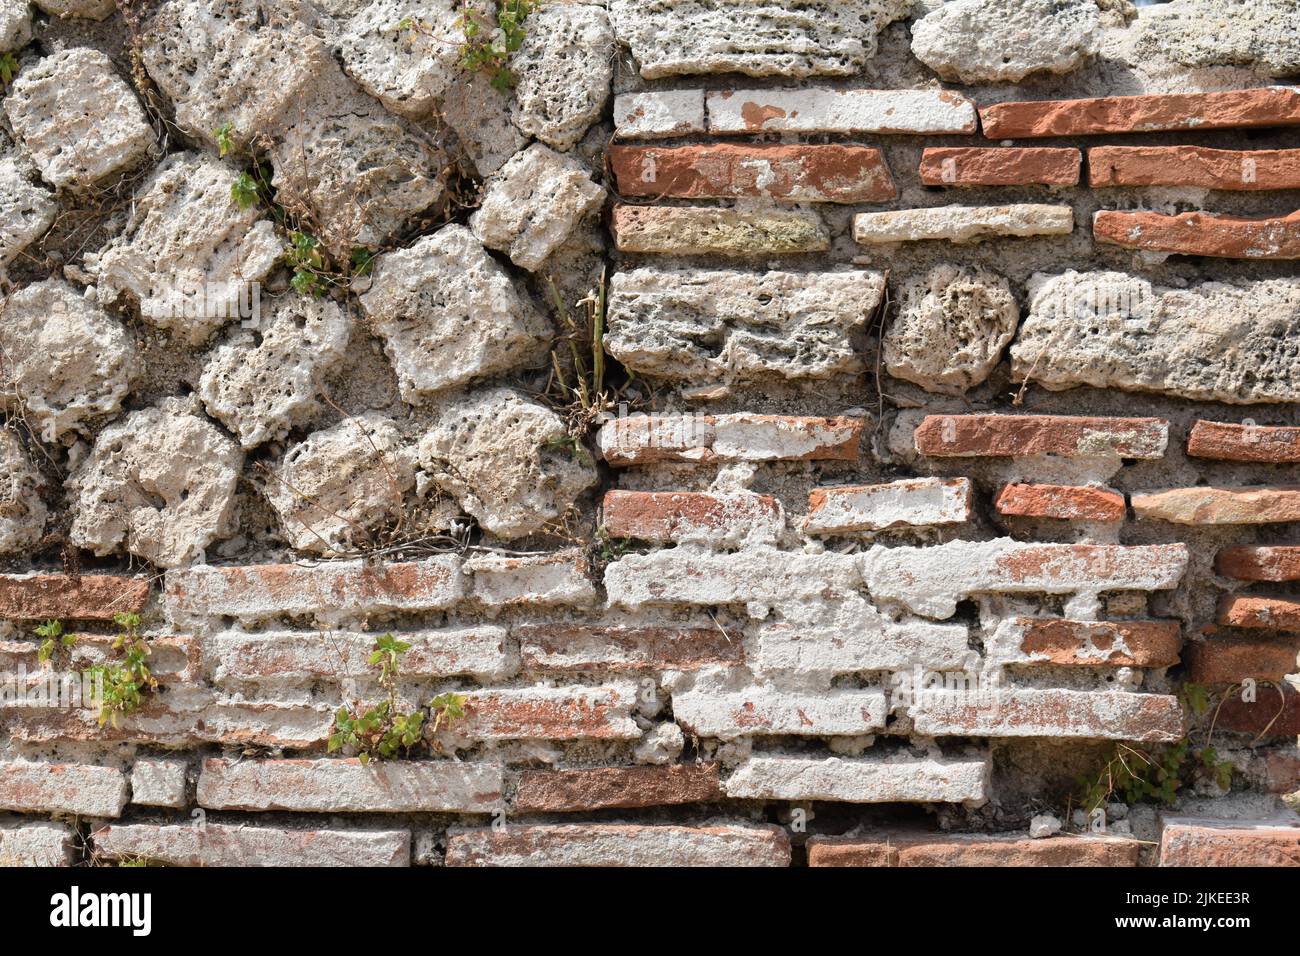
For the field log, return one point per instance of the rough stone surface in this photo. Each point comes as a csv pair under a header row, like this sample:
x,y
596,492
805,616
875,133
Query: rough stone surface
x,y
616,844
336,488
533,203
26,209
961,224
868,780
36,844
22,512
1262,34
951,328
1212,342
157,782
72,789
408,69
260,384
1220,505
218,844
563,69
86,9
700,230
684,324
449,313
1003,41
508,461
186,230
15,24
480,117
161,483
62,358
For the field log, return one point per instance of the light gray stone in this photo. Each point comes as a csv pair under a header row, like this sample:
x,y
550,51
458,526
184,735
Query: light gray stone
x,y
1003,41
26,209
157,782
261,384
15,24
755,37
407,68
962,224
533,203
864,780
83,9
36,844
332,491
658,114
1212,342
480,117
1263,34
448,313
62,358
563,69
507,460
952,326
77,119
22,512
724,324
160,482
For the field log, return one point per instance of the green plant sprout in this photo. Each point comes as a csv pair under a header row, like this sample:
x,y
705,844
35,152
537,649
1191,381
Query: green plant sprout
x,y
122,686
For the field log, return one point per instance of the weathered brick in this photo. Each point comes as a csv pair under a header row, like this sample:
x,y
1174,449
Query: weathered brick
x,y
1111,643
658,115
560,578
89,597
860,780
713,230
266,590
1026,712
1282,614
156,782
980,436
1225,441
645,439
219,844
171,659
305,656
760,574
81,789
1262,504
619,844
1202,841
551,713
1066,502
839,111
1201,234
625,647
802,173
912,502
732,518
932,580
1236,109
1280,769
1196,166
971,849
1219,660
568,791
1278,563
36,844
343,786
763,712
1275,712
962,224
999,166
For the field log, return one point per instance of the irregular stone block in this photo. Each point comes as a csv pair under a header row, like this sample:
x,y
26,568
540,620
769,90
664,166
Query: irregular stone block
x,y
15,24
480,117
962,224
708,230
1198,33
407,68
562,71
83,9
22,512
26,209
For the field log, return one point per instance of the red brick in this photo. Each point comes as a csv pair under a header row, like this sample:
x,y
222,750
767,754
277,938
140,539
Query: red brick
x,y
565,791
90,597
1279,563
81,789
618,648
999,166
550,713
1061,501
1112,643
647,439
1201,234
218,844
1274,712
1280,770
1026,712
1247,611
1229,169
1263,504
668,516
1225,441
619,844
1236,109
981,436
795,173
1220,660
971,849
1188,841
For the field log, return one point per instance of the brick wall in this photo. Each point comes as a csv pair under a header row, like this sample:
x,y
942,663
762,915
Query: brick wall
x,y
945,447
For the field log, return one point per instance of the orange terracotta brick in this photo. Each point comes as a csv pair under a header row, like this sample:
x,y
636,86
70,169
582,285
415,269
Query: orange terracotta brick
x,y
980,436
999,166
1061,501
664,516
1111,643
1201,234
1279,563
1221,660
1225,441
971,849
567,791
1279,614
551,713
1188,841
1229,169
1275,712
89,597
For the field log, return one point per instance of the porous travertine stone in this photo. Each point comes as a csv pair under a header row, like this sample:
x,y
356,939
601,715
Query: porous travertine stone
x,y
85,9
480,117
62,358
1003,41
188,251
1212,342
77,119
962,224
1264,34
15,24
509,461
952,326
407,68
26,209
449,313
332,490
703,324
22,512
866,780
161,482
563,69
758,37
533,203
260,384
